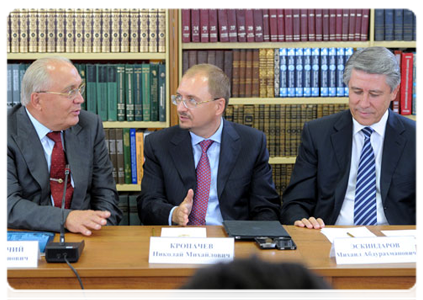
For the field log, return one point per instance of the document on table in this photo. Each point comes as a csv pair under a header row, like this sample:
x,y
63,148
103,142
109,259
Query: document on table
x,y
332,233
407,232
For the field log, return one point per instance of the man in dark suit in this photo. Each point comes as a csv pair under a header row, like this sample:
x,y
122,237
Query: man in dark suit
x,y
325,186
51,101
239,186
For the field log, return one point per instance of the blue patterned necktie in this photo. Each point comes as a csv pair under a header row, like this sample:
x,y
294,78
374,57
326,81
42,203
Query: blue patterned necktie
x,y
201,197
365,190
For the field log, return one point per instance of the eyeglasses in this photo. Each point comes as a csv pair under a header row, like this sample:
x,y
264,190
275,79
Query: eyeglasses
x,y
71,95
188,103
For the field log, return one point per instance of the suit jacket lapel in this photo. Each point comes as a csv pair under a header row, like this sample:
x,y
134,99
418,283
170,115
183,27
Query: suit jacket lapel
x,y
33,152
229,151
393,145
182,155
342,143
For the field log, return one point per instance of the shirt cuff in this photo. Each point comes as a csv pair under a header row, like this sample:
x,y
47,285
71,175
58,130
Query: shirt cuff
x,y
170,215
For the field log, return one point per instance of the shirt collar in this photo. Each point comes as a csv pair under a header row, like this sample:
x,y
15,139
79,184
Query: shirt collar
x,y
379,127
216,137
39,128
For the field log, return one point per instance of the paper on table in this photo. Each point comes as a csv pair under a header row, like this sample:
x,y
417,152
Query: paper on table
x,y
332,233
408,232
184,232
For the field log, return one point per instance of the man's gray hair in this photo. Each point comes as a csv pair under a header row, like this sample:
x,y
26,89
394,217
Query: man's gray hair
x,y
374,60
37,77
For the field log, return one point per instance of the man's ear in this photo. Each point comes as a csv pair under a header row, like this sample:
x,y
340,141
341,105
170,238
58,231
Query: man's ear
x,y
220,104
35,101
395,92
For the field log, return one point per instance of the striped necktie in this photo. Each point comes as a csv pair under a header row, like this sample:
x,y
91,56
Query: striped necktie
x,y
365,190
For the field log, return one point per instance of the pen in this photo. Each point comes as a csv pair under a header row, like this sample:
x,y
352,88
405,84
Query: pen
x,y
350,234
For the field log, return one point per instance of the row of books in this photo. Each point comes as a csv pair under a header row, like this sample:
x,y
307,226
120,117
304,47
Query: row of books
x,y
116,92
281,174
128,206
395,25
405,101
284,72
274,25
281,123
86,30
126,151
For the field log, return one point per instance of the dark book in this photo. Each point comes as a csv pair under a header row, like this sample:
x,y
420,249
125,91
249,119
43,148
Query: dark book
x,y
112,92
192,58
249,25
220,59
211,57
296,25
213,29
409,25
133,149
345,24
129,82
332,24
137,87
127,155
283,73
406,83
389,24
311,25
240,25
121,92
258,25
358,20
339,24
332,72
398,24
281,24
162,93
352,22
273,25
154,92
195,25
102,91
228,62
91,88
242,64
204,26
248,72
235,72
255,84
365,24
223,25
232,25
146,92
289,33
186,25
304,25
266,25
379,24
202,56
325,24
119,155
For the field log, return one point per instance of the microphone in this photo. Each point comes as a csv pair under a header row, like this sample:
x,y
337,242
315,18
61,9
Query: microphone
x,y
64,252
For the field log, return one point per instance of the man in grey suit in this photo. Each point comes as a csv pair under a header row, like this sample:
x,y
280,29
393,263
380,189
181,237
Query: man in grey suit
x,y
326,185
240,182
51,101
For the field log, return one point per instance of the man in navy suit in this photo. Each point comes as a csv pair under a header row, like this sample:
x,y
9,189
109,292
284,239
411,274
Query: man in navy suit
x,y
241,185
323,183
51,101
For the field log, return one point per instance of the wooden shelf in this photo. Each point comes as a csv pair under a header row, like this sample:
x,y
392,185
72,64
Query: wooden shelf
x,y
135,124
306,100
267,45
395,44
128,187
412,117
89,56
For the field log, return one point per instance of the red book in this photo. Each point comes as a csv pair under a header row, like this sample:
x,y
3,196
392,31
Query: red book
x,y
258,25
195,25
352,22
311,25
233,36
396,101
296,24
318,14
345,24
266,31
249,25
186,25
289,28
213,25
332,24
204,25
273,24
338,25
406,83
325,24
240,25
365,24
223,25
281,24
303,25
357,30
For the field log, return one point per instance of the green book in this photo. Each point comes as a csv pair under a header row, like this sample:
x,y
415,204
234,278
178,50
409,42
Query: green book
x,y
127,155
91,88
121,116
102,91
112,92
146,105
154,92
82,73
138,92
162,93
129,72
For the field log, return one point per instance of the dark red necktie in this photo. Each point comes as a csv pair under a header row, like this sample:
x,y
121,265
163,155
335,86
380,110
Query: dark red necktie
x,y
57,172
201,197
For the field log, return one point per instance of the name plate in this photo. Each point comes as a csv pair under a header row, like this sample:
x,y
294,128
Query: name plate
x,y
22,254
376,250
186,250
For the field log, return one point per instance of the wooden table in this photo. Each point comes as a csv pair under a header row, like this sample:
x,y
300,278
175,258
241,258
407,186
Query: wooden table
x,y
117,258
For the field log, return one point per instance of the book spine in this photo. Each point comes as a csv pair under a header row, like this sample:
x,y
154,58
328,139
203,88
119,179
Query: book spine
x,y
91,88
270,68
289,34
332,72
139,136
258,25
398,24
120,155
111,142
152,29
129,88
144,36
204,26
79,30
195,25
408,25
307,72
102,91
14,30
379,24
162,93
262,73
273,25
340,65
105,30
283,69
138,116
303,25
154,92
146,94
296,25
365,18
233,37
324,72
315,72
358,20
311,25
97,30
348,52
24,30
299,72
351,22
345,24
133,146
70,30
127,155
240,23
266,25
276,68
389,24
325,24
281,24
255,90
223,25
32,35
88,31
134,20
213,25
332,24
112,92
406,83
186,25
249,25
124,30
339,25
51,30
291,72
161,28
